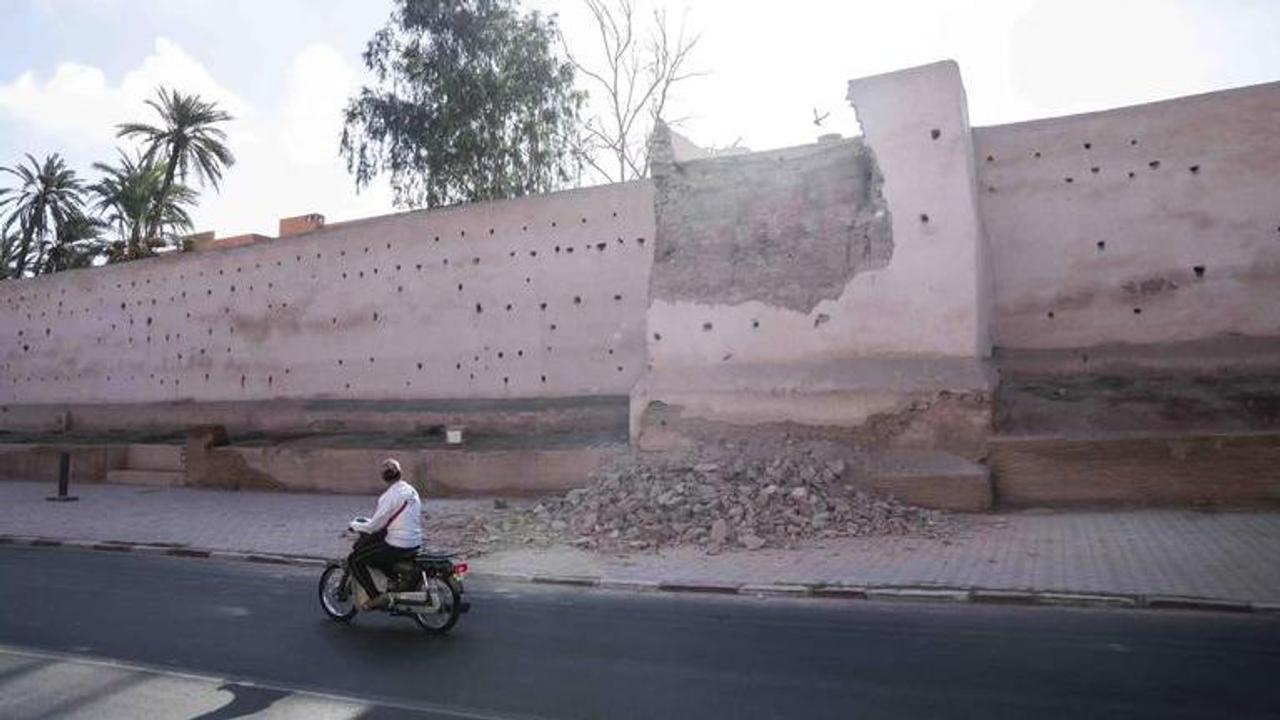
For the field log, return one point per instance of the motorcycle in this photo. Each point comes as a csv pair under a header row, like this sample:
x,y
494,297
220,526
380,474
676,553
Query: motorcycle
x,y
426,588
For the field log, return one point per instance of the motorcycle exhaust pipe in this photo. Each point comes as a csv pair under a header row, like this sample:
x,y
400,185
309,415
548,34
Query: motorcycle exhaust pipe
x,y
409,598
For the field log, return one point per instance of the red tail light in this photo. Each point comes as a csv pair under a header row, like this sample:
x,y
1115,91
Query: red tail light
x,y
460,568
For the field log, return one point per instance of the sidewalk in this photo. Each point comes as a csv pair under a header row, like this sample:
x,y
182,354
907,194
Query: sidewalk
x,y
1229,556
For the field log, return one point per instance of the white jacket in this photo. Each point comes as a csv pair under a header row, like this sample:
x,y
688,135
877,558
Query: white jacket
x,y
405,531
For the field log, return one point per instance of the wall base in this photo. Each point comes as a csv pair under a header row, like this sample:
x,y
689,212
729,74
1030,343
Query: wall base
x,y
1227,469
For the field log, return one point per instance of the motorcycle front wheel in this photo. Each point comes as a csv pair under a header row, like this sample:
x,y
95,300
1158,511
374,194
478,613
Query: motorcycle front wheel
x,y
441,618
337,594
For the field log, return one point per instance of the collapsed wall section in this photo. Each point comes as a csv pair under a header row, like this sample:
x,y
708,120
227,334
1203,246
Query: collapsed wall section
x,y
1152,224
539,297
834,289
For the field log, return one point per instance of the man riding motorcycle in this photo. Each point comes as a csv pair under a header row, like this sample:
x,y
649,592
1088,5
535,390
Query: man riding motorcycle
x,y
393,533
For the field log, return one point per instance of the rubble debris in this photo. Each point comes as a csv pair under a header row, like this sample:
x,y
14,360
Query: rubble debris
x,y
775,501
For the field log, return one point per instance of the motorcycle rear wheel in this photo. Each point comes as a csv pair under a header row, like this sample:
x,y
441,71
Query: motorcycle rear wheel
x,y
441,619
338,600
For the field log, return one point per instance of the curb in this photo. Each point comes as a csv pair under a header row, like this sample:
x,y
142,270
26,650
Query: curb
x,y
984,596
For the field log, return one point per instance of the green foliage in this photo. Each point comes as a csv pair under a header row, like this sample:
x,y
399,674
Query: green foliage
x,y
46,201
132,200
187,142
78,245
468,103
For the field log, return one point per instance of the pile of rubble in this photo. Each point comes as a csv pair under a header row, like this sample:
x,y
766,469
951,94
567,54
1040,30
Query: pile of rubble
x,y
777,501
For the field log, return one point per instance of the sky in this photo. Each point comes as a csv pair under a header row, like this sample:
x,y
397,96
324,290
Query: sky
x,y
70,70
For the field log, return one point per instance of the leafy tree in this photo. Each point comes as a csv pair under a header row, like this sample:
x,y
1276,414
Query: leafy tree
x,y
133,200
47,198
186,142
469,102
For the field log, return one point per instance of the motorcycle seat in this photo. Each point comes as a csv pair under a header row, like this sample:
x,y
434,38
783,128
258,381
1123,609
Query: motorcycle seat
x,y
423,555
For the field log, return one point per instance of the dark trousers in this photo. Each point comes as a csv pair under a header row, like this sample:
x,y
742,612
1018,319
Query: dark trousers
x,y
374,552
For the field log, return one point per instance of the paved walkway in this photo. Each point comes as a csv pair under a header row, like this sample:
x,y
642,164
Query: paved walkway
x,y
1232,556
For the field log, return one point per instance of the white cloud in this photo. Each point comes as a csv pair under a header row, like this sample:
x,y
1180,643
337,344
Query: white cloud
x,y
80,107
320,82
287,159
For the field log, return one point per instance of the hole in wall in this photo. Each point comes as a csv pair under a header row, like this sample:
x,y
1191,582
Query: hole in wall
x,y
1050,314
1194,169
1069,180
1102,245
924,217
1088,146
935,133
1132,174
1095,169
991,158
1137,311
1198,270
706,327
657,337
1037,154
1154,164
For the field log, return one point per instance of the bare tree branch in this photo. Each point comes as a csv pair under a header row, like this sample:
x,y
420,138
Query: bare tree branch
x,y
639,66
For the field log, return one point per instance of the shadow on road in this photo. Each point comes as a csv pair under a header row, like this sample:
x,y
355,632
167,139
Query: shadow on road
x,y
245,701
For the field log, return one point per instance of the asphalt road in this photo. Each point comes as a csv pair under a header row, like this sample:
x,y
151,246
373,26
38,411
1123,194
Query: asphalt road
x,y
257,633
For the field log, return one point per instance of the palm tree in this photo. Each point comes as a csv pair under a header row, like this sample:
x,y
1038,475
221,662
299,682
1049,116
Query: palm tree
x,y
187,141
130,199
79,243
7,243
48,196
